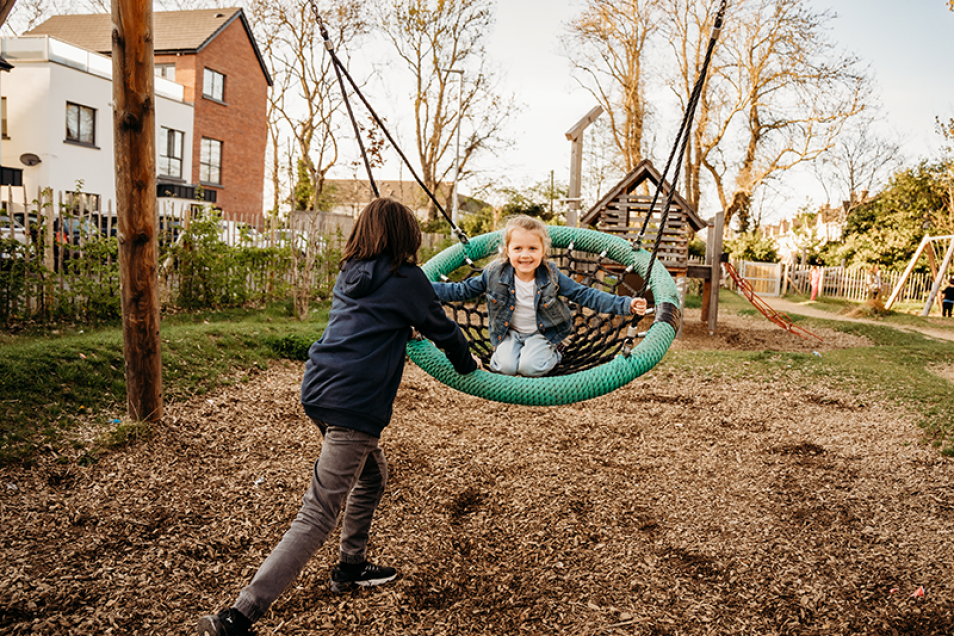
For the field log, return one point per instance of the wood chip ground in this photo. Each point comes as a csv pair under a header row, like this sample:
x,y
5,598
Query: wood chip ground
x,y
676,505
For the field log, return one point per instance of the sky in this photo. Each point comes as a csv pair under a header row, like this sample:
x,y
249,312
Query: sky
x,y
909,46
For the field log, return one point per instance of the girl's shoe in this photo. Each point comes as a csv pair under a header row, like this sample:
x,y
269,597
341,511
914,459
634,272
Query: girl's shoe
x,y
346,576
230,622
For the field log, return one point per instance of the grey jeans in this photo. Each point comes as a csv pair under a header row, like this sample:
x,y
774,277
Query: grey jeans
x,y
352,466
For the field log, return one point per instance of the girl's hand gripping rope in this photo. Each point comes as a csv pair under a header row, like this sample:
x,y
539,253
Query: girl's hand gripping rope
x,y
639,307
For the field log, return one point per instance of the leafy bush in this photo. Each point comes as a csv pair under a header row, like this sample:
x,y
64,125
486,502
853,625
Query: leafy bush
x,y
752,247
292,347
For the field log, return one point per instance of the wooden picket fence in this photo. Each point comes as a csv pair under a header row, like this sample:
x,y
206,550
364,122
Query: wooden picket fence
x,y
59,256
853,283
846,283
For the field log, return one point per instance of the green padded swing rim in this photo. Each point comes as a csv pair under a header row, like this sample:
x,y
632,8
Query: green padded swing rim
x,y
565,389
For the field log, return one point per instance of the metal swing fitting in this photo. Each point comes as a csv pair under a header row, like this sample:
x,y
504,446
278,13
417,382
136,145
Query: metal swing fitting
x,y
632,334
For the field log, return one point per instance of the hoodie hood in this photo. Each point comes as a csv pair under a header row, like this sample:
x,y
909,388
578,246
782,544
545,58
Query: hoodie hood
x,y
360,278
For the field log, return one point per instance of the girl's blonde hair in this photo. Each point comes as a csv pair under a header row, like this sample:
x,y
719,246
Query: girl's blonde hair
x,y
527,224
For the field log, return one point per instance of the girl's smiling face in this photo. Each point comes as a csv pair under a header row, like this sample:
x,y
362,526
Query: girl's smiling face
x,y
525,253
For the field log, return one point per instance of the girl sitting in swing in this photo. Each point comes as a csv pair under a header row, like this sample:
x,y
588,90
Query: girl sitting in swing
x,y
528,320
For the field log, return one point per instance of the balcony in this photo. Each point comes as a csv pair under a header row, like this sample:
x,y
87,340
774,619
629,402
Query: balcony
x,y
45,48
179,191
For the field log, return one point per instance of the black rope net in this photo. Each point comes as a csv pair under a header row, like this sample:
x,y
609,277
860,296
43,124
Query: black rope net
x,y
597,338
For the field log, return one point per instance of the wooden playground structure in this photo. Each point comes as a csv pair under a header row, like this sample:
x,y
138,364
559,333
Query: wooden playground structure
x,y
623,211
939,274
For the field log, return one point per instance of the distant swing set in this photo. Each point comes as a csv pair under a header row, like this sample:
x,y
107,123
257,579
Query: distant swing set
x,y
940,274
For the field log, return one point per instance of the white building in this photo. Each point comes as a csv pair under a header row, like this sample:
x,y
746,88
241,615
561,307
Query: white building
x,y
826,226
58,123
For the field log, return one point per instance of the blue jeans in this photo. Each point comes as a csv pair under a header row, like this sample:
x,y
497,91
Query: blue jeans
x,y
529,354
351,467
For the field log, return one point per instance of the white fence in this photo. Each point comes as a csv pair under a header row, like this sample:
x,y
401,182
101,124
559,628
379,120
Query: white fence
x,y
853,283
846,283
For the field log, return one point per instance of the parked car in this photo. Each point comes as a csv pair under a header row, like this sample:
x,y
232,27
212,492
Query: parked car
x,y
11,228
106,224
73,231
31,222
239,234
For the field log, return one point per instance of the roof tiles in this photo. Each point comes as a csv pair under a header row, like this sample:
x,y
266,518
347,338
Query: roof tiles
x,y
174,30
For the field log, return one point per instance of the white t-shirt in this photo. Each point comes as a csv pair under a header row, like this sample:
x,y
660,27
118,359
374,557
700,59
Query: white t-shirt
x,y
524,315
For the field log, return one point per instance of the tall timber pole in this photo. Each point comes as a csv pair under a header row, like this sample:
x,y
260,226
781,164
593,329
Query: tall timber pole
x,y
134,127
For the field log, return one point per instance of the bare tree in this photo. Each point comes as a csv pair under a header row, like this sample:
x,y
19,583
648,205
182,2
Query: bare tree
x,y
305,101
607,45
433,38
688,29
30,13
601,161
26,14
793,91
861,160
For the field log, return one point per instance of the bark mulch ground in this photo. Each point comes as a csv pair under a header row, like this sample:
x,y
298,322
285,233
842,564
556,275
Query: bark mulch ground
x,y
676,505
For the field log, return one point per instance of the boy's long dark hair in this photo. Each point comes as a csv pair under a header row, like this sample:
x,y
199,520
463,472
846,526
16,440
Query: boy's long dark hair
x,y
387,227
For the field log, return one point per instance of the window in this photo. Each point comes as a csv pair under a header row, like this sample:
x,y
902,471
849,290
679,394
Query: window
x,y
210,161
3,117
213,85
80,124
170,152
167,71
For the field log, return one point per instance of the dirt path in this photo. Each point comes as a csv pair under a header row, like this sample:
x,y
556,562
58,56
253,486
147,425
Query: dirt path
x,y
674,506
804,309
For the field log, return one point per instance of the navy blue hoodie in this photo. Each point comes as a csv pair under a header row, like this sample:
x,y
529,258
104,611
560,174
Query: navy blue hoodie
x,y
354,369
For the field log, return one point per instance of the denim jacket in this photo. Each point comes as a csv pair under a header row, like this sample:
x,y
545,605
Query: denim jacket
x,y
554,321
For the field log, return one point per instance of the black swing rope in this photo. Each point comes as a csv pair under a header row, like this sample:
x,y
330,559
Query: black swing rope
x,y
596,338
682,139
340,70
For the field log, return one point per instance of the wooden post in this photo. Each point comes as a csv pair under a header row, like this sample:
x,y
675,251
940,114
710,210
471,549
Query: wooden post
x,y
939,279
134,126
907,271
707,283
575,136
716,276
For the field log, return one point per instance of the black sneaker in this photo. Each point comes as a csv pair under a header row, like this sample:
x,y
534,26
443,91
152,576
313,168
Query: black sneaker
x,y
230,622
346,576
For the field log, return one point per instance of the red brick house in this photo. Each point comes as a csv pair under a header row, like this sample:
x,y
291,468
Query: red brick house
x,y
213,54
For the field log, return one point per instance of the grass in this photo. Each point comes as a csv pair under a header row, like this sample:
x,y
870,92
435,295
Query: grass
x,y
58,383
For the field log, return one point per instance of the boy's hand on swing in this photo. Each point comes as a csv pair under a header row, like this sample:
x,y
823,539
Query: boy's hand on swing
x,y
638,307
480,365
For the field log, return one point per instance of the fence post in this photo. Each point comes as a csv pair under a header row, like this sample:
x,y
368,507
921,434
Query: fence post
x,y
715,275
